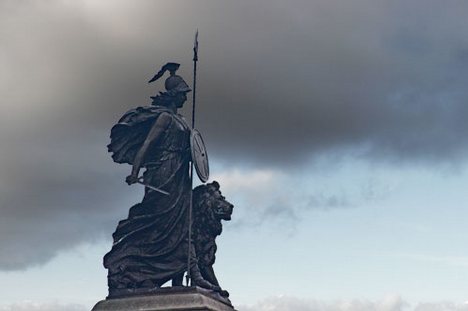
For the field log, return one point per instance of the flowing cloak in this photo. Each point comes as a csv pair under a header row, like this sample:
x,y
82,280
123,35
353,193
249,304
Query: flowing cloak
x,y
151,244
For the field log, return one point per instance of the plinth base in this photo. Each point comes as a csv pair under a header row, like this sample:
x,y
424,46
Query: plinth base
x,y
167,299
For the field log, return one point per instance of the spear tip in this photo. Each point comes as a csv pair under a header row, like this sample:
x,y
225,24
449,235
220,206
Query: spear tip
x,y
195,47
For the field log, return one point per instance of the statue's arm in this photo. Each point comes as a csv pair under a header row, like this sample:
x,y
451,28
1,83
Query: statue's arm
x,y
159,126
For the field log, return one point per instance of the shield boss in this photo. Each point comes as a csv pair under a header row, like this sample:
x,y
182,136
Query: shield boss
x,y
199,155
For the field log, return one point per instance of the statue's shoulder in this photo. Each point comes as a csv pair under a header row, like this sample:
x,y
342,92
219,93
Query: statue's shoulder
x,y
143,114
129,133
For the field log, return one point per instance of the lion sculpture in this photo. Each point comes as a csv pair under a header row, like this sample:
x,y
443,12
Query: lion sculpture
x,y
209,208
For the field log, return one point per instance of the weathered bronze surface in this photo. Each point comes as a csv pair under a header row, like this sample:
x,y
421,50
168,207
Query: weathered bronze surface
x,y
199,155
152,245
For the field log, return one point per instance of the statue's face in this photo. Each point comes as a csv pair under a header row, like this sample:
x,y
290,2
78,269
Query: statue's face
x,y
180,99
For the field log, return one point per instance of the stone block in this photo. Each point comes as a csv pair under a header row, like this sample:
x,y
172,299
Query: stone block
x,y
168,299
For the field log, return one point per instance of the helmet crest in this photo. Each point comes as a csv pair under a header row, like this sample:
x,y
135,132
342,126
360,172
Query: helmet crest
x,y
174,83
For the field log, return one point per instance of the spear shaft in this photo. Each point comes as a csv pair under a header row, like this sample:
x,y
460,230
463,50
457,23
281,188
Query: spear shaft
x,y
195,59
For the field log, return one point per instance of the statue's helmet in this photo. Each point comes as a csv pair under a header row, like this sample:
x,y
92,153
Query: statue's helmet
x,y
175,83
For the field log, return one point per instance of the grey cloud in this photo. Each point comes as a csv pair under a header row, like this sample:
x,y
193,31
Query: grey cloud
x,y
278,83
49,203
30,306
441,306
276,209
286,303
390,303
326,202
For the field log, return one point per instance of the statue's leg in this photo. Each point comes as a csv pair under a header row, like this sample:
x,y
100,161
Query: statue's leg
x,y
198,280
208,274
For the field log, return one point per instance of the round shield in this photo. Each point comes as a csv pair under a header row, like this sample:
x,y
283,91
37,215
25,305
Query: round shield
x,y
199,155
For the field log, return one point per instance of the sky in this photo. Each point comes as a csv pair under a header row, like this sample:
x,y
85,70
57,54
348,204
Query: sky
x,y
337,129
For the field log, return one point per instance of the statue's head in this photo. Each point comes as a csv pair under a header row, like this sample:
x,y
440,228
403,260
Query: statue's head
x,y
175,84
176,87
179,99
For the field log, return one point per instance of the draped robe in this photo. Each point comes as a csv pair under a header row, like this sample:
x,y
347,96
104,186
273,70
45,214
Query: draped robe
x,y
152,243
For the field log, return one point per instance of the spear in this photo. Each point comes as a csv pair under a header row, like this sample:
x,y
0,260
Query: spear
x,y
195,59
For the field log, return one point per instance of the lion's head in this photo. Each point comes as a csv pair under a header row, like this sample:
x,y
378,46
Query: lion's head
x,y
210,204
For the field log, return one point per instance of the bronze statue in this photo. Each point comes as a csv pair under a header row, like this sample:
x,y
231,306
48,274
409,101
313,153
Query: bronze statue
x,y
153,244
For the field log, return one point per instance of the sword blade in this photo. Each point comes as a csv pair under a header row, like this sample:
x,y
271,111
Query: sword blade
x,y
153,188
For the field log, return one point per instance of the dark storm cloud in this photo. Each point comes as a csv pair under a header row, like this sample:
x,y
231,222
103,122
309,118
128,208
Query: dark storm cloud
x,y
55,196
279,82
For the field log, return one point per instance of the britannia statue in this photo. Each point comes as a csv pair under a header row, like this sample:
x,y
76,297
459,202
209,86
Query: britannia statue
x,y
172,231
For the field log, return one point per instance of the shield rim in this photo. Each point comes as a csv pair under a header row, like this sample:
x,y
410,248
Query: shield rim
x,y
203,179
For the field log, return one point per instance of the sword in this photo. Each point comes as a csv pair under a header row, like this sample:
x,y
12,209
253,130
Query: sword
x,y
140,181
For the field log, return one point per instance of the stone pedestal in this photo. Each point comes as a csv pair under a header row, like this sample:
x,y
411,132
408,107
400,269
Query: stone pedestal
x,y
168,299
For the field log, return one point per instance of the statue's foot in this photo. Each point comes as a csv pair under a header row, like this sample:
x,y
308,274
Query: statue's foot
x,y
198,280
207,285
201,282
